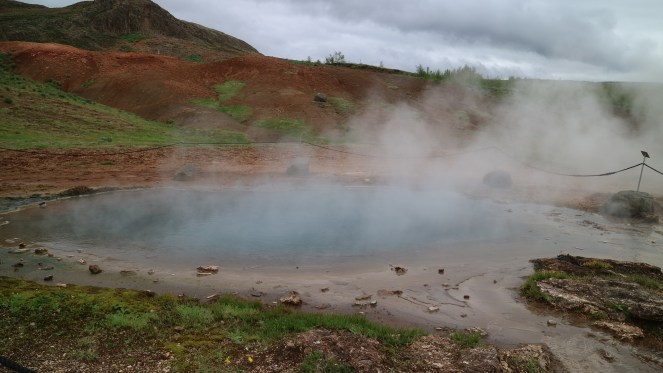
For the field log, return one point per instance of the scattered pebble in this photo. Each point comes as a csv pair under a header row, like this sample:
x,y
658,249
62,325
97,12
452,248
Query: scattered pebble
x,y
446,285
466,296
208,269
94,269
373,303
432,309
324,290
82,261
61,285
48,278
440,271
438,328
41,251
256,293
211,297
399,270
150,272
363,297
552,323
464,315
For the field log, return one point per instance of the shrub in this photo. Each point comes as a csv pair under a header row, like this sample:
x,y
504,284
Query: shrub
x,y
336,57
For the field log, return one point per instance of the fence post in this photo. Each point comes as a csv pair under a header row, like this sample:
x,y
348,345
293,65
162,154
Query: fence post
x,y
645,155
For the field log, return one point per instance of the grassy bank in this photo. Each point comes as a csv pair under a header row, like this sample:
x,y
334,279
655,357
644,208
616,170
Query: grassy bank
x,y
93,326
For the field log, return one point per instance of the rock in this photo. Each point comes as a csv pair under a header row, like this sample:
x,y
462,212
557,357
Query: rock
x,y
298,167
178,329
440,271
633,205
208,269
320,97
476,330
399,270
61,285
256,293
498,179
552,323
432,309
48,278
94,269
41,251
22,245
292,298
185,173
82,261
212,297
150,272
615,298
18,265
606,355
466,296
620,330
364,297
373,303
324,290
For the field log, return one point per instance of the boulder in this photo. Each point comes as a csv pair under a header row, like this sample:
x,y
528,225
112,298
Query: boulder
x,y
298,167
498,179
185,173
631,204
320,97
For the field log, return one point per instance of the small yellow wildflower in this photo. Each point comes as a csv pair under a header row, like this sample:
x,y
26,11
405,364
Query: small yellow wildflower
x,y
227,361
250,359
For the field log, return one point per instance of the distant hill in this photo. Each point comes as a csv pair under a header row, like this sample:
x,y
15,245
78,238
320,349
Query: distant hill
x,y
117,25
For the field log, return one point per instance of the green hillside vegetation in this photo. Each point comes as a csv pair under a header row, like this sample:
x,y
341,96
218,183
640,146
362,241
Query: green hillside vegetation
x,y
41,115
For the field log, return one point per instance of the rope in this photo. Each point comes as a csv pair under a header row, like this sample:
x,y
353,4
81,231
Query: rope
x,y
14,365
653,169
27,151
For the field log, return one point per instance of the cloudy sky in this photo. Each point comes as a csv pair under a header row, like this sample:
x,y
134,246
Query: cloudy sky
x,y
551,39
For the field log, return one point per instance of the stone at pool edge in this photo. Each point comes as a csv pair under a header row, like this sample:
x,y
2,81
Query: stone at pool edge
x,y
94,269
633,205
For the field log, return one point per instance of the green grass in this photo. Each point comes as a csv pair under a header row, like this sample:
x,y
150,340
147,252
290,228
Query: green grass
x,y
240,113
134,38
645,281
227,91
296,128
529,288
196,317
466,340
194,58
316,362
125,320
45,117
342,105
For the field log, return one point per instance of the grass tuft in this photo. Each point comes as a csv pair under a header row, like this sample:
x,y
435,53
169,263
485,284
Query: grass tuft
x,y
529,288
466,340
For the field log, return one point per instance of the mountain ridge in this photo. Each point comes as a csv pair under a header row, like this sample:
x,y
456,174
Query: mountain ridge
x,y
117,25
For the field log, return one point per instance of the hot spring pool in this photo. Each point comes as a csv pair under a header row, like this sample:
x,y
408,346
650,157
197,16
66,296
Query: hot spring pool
x,y
278,226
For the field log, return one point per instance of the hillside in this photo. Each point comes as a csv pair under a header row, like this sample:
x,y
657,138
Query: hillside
x,y
118,25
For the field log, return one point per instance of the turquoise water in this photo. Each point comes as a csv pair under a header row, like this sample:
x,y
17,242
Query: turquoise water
x,y
282,224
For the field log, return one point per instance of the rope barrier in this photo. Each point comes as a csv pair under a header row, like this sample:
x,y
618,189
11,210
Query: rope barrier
x,y
148,149
653,169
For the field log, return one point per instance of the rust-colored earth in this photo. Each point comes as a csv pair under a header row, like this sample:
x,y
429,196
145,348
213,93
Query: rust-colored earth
x,y
161,88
